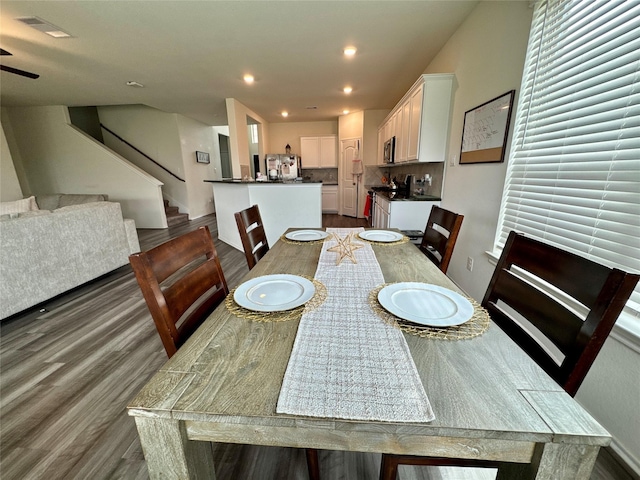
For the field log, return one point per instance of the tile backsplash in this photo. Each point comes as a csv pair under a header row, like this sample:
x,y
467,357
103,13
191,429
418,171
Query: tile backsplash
x,y
373,175
325,175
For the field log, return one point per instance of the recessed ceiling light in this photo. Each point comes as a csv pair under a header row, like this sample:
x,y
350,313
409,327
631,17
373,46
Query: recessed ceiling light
x,y
350,51
44,27
285,114
131,83
248,78
347,89
345,112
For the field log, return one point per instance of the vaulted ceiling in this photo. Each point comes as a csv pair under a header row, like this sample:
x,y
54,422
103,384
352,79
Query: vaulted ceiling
x,y
191,55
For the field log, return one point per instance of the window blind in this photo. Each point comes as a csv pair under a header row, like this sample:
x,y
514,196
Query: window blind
x,y
573,178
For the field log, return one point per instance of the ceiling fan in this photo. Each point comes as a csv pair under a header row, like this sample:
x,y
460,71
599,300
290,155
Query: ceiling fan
x,y
17,71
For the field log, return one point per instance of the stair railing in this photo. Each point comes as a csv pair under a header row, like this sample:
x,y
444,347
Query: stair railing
x,y
140,152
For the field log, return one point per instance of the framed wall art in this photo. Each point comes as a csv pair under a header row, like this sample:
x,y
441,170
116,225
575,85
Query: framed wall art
x,y
202,157
485,130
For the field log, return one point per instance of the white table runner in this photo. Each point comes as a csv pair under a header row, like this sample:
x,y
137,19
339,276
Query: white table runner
x,y
346,362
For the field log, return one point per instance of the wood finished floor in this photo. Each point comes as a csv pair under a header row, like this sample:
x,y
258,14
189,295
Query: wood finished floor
x,y
68,372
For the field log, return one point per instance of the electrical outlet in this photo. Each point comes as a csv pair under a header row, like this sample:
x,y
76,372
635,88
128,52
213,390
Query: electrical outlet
x,y
470,264
452,160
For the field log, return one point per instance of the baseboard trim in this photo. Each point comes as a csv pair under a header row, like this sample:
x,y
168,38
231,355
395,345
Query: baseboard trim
x,y
625,459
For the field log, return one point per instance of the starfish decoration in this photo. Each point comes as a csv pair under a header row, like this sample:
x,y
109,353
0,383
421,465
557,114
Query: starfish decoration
x,y
345,248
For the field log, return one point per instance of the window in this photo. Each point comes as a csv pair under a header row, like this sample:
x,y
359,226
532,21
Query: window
x,y
254,133
574,170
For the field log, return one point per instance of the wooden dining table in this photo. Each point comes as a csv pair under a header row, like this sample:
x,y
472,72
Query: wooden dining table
x,y
490,400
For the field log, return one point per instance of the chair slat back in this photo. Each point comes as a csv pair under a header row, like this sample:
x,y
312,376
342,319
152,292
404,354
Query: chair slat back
x,y
435,241
252,234
182,283
543,284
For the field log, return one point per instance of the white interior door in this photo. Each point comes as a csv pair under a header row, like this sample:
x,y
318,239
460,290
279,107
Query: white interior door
x,y
349,183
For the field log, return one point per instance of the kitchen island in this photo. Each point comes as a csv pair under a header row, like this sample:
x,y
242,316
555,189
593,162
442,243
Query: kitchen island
x,y
282,205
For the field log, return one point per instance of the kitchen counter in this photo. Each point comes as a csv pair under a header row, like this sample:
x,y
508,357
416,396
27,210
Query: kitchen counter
x,y
270,182
282,205
396,209
399,195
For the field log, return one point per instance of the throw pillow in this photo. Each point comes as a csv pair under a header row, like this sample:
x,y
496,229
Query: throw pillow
x,y
33,204
18,206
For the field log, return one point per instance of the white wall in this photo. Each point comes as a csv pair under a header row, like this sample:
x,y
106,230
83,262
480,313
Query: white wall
x,y
196,136
171,140
487,56
9,185
156,134
281,134
350,126
237,114
58,158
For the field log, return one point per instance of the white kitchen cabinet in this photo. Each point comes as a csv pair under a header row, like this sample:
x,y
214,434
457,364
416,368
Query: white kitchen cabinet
x,y
421,120
381,140
319,152
413,129
329,199
381,212
403,215
402,132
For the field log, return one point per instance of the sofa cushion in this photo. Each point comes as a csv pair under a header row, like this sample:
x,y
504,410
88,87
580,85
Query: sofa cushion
x,y
31,213
34,213
52,201
51,253
49,201
18,206
77,199
79,206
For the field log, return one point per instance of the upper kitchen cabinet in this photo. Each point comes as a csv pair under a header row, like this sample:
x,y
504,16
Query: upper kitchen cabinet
x,y
319,152
421,120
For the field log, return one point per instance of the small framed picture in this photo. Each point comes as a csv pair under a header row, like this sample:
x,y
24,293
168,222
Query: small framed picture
x,y
202,157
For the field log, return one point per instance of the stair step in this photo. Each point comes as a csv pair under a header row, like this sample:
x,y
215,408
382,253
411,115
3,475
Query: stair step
x,y
177,219
170,210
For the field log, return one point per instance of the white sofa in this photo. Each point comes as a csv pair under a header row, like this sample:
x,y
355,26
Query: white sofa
x,y
44,253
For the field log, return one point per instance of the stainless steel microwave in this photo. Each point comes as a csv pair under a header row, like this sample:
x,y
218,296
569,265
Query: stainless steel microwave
x,y
389,155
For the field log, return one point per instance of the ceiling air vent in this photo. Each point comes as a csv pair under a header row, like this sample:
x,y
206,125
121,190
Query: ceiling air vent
x,y
44,27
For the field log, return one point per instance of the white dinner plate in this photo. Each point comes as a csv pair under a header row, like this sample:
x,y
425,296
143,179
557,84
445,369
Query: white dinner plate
x,y
382,236
306,235
426,304
274,293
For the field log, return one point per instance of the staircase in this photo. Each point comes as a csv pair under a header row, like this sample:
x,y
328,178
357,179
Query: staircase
x,y
173,216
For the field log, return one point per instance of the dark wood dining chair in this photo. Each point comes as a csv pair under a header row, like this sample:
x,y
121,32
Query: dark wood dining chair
x,y
195,286
254,239
440,236
515,296
182,282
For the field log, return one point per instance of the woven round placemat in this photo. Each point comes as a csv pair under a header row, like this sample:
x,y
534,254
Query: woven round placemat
x,y
318,299
477,325
404,239
311,242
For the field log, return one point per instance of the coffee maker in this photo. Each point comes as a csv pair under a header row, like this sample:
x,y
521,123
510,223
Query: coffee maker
x,y
404,185
282,166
